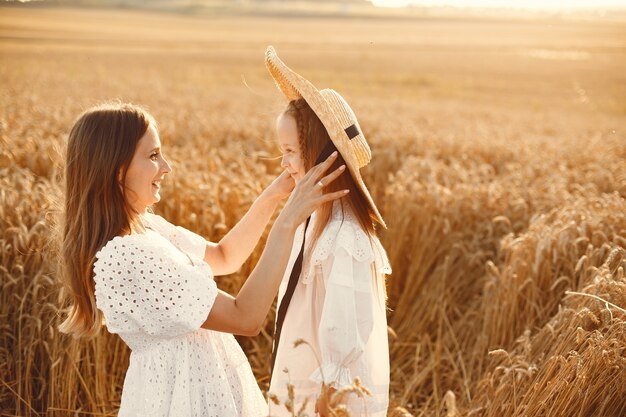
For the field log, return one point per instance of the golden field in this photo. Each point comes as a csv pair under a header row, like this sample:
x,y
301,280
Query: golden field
x,y
499,165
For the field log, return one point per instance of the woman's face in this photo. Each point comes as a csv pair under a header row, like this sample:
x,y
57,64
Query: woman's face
x,y
145,172
287,132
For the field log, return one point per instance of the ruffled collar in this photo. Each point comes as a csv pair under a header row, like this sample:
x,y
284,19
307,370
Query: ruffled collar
x,y
344,230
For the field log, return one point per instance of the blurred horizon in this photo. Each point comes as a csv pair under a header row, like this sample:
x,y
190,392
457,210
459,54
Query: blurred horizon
x,y
505,4
407,8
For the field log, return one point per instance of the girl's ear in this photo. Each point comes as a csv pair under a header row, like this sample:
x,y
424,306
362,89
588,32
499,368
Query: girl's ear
x,y
120,180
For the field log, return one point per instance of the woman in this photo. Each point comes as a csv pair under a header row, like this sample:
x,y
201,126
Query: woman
x,y
333,294
152,282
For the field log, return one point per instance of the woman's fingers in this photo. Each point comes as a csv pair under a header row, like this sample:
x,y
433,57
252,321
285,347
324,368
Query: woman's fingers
x,y
309,193
332,196
318,170
332,176
281,187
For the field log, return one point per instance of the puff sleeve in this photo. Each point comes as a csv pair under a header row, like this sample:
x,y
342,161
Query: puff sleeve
x,y
141,288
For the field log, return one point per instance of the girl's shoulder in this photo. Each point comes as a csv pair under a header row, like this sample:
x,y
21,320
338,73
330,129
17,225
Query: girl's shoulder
x,y
344,232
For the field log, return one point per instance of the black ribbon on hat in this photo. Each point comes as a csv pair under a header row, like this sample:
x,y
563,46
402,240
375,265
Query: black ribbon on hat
x,y
352,131
295,271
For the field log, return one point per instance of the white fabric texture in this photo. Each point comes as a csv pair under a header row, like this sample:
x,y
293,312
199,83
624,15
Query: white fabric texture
x,y
155,291
338,307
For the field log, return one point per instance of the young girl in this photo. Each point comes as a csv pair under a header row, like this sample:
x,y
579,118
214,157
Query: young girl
x,y
335,300
152,282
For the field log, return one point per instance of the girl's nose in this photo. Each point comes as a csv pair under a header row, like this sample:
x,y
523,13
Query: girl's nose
x,y
283,162
166,167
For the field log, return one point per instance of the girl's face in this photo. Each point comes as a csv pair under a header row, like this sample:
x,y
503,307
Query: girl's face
x,y
145,172
287,132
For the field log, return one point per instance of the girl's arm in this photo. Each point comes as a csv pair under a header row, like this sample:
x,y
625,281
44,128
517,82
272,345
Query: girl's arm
x,y
347,317
231,252
245,313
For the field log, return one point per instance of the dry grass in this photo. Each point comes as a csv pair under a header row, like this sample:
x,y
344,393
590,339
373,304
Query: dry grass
x,y
499,152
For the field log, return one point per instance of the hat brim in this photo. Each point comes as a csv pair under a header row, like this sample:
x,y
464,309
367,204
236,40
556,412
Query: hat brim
x,y
294,87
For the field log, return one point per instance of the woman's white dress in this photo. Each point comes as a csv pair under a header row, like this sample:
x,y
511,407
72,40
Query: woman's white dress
x,y
339,308
155,291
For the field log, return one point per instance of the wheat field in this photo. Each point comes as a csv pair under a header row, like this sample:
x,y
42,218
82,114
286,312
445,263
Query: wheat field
x,y
499,164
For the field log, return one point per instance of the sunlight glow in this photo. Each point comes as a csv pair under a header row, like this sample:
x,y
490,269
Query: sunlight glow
x,y
505,4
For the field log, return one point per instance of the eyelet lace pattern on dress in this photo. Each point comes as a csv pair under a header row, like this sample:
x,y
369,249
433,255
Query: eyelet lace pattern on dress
x,y
156,293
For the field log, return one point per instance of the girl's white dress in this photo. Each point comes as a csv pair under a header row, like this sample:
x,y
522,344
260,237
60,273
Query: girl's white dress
x,y
339,308
155,291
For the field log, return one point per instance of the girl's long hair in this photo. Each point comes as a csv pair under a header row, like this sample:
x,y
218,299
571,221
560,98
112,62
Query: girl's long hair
x,y
99,150
312,138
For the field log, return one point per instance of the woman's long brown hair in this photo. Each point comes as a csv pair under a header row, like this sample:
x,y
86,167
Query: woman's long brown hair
x,y
312,138
99,150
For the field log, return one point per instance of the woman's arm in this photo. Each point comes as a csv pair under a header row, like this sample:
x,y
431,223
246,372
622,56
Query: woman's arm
x,y
245,313
231,252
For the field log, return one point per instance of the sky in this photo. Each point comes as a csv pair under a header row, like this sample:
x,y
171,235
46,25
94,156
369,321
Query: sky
x,y
519,4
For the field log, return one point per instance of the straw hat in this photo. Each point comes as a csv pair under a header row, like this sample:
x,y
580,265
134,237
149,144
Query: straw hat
x,y
334,113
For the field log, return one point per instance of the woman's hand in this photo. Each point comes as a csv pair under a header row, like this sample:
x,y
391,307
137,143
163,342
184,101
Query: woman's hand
x,y
281,187
245,314
231,252
308,194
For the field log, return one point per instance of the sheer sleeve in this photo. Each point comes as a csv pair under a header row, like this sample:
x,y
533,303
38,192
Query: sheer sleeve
x,y
139,288
183,238
347,317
